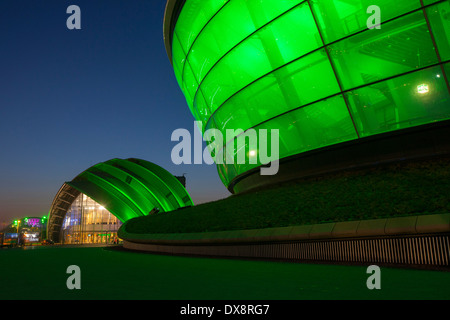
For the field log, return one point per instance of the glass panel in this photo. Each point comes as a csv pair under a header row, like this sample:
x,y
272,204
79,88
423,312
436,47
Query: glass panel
x,y
426,2
200,110
220,37
191,107
88,222
301,82
193,17
203,112
439,17
268,49
400,46
410,100
189,82
321,124
178,58
340,18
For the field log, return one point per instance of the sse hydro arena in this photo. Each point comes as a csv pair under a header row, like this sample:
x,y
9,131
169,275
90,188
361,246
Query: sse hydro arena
x,y
341,93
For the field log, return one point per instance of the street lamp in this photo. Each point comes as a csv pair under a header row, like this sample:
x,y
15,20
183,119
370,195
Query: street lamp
x,y
42,227
17,222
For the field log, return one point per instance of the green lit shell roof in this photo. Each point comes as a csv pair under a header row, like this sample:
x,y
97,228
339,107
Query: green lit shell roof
x,y
127,188
132,188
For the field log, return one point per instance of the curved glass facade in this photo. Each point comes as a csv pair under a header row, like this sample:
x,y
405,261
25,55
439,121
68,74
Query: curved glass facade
x,y
312,69
88,222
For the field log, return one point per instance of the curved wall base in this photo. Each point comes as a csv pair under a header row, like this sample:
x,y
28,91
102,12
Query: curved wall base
x,y
408,241
412,251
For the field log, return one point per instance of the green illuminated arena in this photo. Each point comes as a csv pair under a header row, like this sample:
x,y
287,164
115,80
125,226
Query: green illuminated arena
x,y
315,71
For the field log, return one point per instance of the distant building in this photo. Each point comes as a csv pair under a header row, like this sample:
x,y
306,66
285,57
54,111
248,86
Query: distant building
x,y
25,231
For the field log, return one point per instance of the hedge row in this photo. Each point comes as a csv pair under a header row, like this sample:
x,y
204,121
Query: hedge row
x,y
394,190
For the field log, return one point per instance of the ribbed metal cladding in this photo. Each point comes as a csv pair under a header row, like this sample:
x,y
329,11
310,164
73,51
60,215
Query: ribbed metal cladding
x,y
432,250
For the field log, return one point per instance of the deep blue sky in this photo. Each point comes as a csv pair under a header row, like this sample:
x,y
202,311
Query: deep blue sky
x,y
72,98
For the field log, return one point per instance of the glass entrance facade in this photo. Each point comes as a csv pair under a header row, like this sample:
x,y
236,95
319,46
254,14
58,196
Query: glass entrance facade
x,y
87,222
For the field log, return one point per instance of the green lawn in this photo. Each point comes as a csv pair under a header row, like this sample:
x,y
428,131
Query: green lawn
x,y
400,189
113,273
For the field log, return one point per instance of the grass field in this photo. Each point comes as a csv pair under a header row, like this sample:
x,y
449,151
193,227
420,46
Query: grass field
x,y
113,273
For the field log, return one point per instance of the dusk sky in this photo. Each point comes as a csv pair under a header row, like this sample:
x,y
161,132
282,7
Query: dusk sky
x,y
70,99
